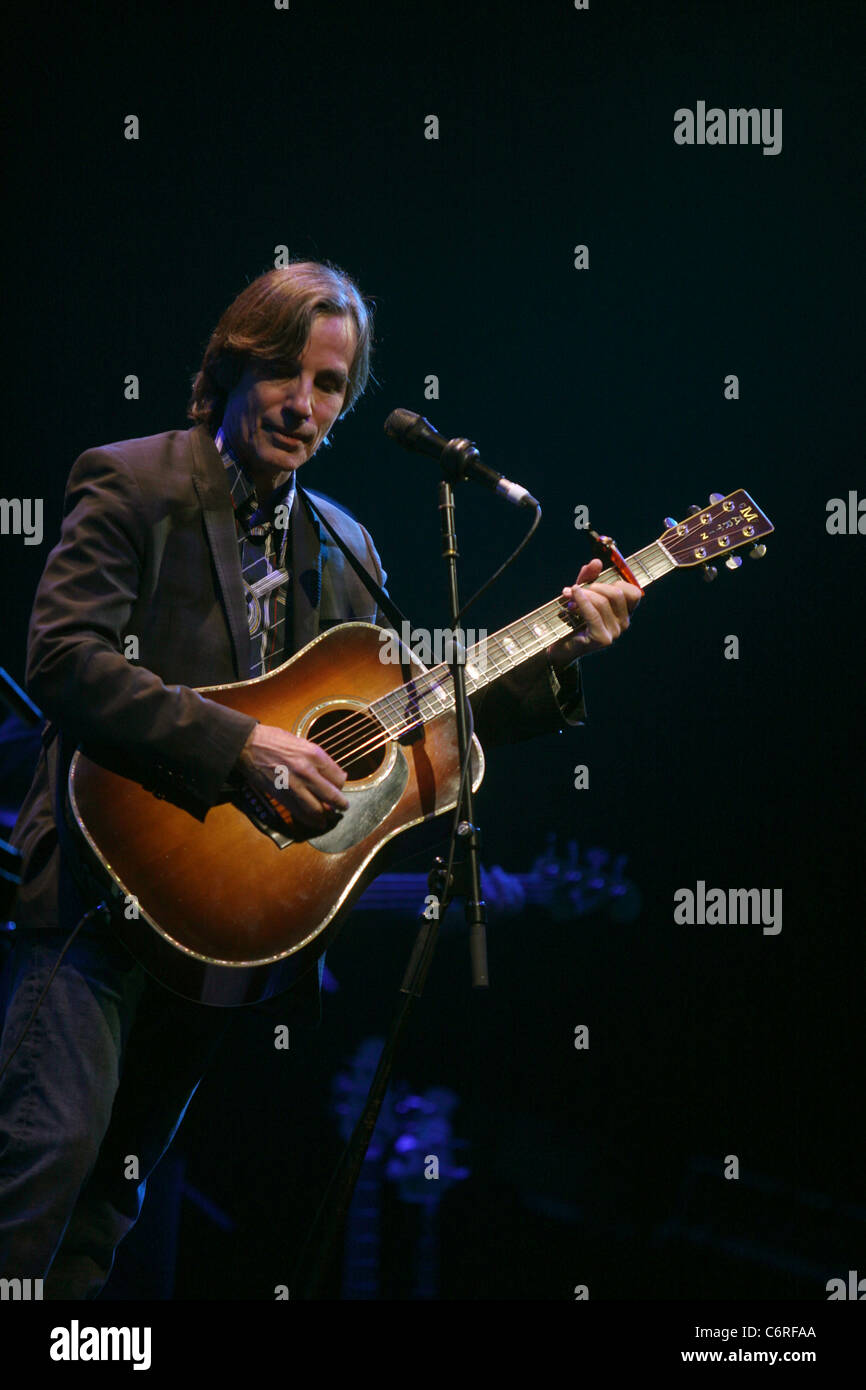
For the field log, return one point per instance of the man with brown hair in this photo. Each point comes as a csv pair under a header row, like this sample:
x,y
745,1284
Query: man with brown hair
x,y
175,570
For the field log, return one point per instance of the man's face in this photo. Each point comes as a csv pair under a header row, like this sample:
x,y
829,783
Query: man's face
x,y
273,423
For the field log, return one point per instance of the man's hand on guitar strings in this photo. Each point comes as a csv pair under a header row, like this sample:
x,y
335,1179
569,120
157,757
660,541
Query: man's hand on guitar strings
x,y
604,608
314,780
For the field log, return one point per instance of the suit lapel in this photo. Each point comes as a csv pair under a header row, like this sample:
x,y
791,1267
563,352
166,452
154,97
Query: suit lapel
x,y
307,544
211,485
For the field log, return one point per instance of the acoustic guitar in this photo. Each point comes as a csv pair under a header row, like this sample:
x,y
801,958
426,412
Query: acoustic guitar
x,y
235,908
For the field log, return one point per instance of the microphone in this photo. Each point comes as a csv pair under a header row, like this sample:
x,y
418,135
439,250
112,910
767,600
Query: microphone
x,y
459,457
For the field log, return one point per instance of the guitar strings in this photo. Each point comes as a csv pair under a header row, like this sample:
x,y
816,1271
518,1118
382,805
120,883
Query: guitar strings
x,y
346,752
417,690
338,744
653,560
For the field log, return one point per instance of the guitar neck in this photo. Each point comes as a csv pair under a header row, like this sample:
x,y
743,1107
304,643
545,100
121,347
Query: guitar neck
x,y
430,694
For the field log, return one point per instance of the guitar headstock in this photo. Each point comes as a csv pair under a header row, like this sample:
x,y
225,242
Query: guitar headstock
x,y
716,531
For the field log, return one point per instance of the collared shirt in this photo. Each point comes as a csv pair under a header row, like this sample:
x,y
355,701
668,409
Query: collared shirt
x,y
263,546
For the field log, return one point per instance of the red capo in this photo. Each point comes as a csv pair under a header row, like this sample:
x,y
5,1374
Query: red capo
x,y
616,559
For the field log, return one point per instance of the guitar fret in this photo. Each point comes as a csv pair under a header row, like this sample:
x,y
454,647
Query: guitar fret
x,y
645,575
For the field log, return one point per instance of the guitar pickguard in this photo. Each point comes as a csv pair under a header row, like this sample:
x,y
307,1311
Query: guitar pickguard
x,y
368,807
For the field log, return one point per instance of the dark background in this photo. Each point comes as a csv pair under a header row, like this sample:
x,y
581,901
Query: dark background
x,y
603,387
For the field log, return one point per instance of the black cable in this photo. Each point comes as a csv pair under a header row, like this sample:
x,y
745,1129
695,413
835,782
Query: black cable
x,y
100,907
504,566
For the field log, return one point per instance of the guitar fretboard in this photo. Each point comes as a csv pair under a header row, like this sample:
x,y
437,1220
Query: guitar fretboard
x,y
431,693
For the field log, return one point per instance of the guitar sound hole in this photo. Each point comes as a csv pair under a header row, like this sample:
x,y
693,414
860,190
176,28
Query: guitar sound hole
x,y
353,738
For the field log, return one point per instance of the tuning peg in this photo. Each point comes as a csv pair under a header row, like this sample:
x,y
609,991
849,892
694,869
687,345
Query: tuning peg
x,y
733,562
717,497
710,573
670,523
757,552
694,508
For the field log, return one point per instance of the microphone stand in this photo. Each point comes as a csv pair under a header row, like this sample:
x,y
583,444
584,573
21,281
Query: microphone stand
x,y
465,879
467,871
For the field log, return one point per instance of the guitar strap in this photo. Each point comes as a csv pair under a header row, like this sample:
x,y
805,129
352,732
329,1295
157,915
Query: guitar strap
x,y
385,602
